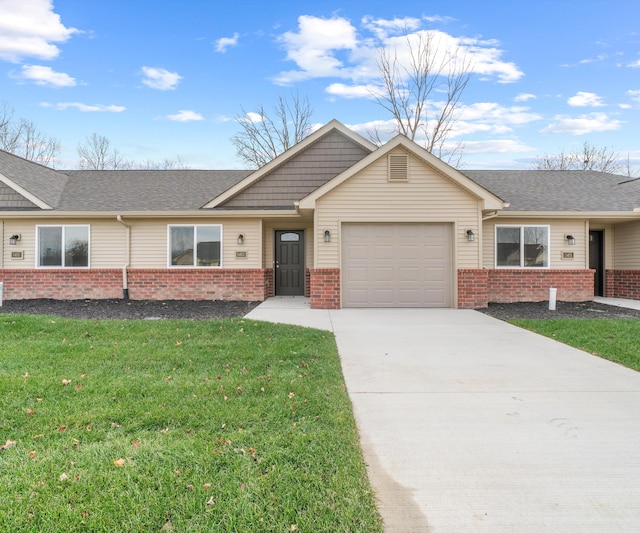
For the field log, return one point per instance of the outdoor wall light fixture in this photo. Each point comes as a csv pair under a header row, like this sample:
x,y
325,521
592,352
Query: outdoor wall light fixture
x,y
571,240
470,235
14,238
327,236
241,239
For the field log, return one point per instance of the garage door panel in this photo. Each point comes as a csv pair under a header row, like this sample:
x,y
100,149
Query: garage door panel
x,y
396,265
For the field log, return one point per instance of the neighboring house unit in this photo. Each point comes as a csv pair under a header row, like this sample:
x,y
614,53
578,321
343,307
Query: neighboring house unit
x,y
336,218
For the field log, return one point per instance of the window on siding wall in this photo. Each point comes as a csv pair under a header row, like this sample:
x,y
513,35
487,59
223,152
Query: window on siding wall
x,y
195,245
63,246
522,246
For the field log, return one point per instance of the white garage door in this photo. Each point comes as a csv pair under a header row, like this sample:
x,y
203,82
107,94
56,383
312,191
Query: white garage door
x,y
396,265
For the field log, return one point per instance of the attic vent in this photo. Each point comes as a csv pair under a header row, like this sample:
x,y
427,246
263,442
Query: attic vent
x,y
398,168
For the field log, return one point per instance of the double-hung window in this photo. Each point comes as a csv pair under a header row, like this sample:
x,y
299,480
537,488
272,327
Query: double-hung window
x,y
522,246
195,245
63,246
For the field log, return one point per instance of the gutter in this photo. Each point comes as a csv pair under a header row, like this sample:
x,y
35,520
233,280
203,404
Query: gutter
x,y
125,281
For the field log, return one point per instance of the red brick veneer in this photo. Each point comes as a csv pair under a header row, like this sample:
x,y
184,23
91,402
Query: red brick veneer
x,y
324,288
473,288
144,284
522,285
622,284
61,284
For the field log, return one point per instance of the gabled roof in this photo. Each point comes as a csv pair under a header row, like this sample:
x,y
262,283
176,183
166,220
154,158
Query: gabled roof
x,y
332,166
144,190
490,200
560,190
40,185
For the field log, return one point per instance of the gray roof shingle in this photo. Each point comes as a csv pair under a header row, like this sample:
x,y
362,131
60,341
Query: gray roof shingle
x,y
44,183
145,190
560,190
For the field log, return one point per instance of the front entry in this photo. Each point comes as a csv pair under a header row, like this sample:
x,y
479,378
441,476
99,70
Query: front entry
x,y
596,260
289,267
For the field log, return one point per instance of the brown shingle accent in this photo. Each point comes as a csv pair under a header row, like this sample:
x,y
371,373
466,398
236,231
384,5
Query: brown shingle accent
x,y
303,173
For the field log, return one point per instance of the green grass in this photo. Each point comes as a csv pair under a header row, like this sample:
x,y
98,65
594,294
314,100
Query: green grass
x,y
610,338
229,426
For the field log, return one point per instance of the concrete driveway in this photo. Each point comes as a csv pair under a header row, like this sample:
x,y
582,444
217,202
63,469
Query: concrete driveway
x,y
470,424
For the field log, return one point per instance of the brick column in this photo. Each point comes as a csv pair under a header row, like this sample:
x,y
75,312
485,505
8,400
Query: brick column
x,y
324,288
473,290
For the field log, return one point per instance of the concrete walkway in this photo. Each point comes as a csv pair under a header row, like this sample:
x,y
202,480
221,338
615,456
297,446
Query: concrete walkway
x,y
470,424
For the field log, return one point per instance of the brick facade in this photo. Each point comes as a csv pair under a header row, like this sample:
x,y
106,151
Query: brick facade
x,y
144,284
473,288
622,284
522,285
324,288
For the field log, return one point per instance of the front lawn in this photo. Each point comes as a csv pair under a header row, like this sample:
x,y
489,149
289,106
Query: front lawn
x,y
611,338
229,425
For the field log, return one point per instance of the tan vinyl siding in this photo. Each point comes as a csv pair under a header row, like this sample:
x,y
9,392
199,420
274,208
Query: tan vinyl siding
x,y
627,246
302,174
558,244
426,196
148,241
106,241
268,238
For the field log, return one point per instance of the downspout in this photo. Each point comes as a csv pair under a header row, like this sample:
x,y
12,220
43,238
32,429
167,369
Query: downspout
x,y
125,282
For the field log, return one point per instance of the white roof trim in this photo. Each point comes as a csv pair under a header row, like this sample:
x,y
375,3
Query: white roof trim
x,y
294,150
490,200
23,192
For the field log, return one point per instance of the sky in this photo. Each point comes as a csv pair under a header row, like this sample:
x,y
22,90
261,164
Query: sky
x,y
168,78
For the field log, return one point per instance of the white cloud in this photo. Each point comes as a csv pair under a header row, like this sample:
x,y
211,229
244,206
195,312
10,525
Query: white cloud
x,y
225,42
45,76
29,28
491,117
353,91
382,28
584,99
314,46
439,18
525,97
496,146
185,116
635,64
593,122
160,78
634,95
325,48
85,108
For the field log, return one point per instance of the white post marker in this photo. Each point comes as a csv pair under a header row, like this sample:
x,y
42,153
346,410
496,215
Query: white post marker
x,y
552,299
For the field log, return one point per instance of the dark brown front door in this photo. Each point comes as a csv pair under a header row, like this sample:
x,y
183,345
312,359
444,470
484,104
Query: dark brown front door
x,y
596,260
289,267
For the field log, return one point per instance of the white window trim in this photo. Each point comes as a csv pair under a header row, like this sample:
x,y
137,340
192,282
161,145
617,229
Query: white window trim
x,y
521,226
63,226
169,226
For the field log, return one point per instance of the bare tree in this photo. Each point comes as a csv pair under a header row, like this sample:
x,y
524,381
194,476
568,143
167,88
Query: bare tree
x,y
264,135
421,89
588,157
166,164
95,153
23,138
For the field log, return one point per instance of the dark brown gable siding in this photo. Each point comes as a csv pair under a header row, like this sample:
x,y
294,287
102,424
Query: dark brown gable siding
x,y
11,199
302,174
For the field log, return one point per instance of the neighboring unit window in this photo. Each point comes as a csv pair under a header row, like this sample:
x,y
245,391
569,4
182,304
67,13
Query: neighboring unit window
x,y
195,246
63,246
522,246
